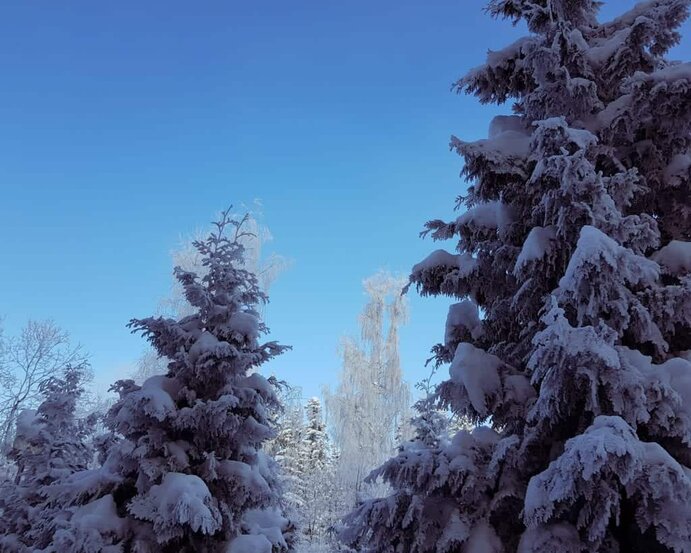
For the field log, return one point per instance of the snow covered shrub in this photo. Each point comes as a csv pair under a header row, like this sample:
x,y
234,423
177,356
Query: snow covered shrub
x,y
189,473
50,445
575,248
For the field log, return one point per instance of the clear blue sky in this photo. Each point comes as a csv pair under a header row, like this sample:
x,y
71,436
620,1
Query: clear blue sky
x,y
128,124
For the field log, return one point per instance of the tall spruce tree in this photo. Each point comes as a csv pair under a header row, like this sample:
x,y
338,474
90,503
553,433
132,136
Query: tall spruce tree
x,y
189,474
571,341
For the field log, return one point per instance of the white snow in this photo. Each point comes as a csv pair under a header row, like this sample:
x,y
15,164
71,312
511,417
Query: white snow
x,y
245,323
159,381
509,140
507,144
478,372
604,49
493,215
455,532
675,257
258,383
153,397
676,373
178,450
576,37
580,137
180,499
678,169
27,428
537,244
612,111
610,451
595,248
589,453
517,388
247,477
249,544
268,523
560,537
205,343
98,516
496,58
441,258
464,314
673,72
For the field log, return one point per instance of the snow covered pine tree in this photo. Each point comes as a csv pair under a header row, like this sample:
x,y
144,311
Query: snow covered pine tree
x,y
189,474
317,463
49,446
576,247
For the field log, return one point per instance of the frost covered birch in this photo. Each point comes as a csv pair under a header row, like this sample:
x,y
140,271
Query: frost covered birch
x,y
371,401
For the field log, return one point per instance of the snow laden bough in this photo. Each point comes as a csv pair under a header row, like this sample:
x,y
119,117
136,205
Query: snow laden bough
x,y
571,332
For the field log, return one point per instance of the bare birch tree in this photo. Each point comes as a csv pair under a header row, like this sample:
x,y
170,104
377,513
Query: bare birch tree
x,y
40,351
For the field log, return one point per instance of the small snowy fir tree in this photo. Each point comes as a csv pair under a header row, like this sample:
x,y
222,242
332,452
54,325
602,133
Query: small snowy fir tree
x,y
324,497
317,464
286,448
307,470
189,474
50,445
572,268
315,440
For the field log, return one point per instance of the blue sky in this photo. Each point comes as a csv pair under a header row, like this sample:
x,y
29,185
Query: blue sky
x,y
127,125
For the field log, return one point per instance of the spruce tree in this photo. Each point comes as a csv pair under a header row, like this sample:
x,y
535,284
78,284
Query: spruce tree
x,y
318,468
315,440
307,466
571,340
189,474
286,449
